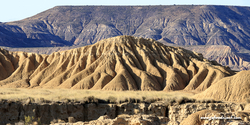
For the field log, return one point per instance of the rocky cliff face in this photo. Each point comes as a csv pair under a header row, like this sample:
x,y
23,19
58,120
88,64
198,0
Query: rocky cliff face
x,y
115,114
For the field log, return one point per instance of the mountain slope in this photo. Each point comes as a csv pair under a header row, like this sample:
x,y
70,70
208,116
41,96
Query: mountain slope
x,y
182,25
118,63
223,55
178,25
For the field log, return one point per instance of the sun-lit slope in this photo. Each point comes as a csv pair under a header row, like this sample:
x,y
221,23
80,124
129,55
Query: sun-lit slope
x,y
16,67
233,88
118,63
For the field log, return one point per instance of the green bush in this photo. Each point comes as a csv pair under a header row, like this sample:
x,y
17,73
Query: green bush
x,y
29,120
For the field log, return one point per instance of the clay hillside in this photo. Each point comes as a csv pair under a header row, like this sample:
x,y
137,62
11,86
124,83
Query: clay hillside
x,y
188,25
118,63
234,88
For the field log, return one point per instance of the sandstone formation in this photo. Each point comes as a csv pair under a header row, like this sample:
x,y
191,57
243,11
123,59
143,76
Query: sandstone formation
x,y
118,63
78,113
129,120
54,112
220,118
192,111
234,88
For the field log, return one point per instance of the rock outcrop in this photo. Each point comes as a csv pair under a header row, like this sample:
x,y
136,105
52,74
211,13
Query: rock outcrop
x,y
186,112
118,63
212,117
54,112
74,113
126,120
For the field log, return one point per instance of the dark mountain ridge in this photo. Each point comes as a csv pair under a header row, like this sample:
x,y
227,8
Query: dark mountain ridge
x,y
182,25
187,25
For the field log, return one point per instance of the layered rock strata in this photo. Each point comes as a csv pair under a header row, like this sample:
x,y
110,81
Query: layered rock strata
x,y
158,112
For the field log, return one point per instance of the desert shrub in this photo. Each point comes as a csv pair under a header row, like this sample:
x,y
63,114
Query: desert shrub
x,y
171,101
102,101
179,101
210,101
143,98
151,100
65,100
137,101
90,99
126,99
131,100
207,101
190,101
29,120
184,100
112,99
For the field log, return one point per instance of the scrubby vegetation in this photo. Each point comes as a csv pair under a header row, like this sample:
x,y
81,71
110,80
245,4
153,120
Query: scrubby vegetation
x,y
30,120
94,96
88,96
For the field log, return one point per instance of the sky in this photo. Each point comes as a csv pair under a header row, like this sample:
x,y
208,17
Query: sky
x,y
13,10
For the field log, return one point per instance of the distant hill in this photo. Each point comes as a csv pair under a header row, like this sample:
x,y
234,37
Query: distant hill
x,y
187,25
224,55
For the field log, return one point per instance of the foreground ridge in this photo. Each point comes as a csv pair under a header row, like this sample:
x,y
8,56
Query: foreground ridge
x,y
118,63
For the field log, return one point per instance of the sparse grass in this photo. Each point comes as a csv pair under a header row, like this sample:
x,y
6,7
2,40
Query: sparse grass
x,y
89,95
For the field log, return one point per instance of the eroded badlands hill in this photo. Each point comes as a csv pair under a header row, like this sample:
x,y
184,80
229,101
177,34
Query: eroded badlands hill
x,y
233,88
179,25
118,63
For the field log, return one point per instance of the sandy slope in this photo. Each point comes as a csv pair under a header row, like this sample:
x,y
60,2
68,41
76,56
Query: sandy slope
x,y
234,88
118,63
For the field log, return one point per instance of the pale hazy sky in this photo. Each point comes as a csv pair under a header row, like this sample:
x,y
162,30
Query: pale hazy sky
x,y
11,10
